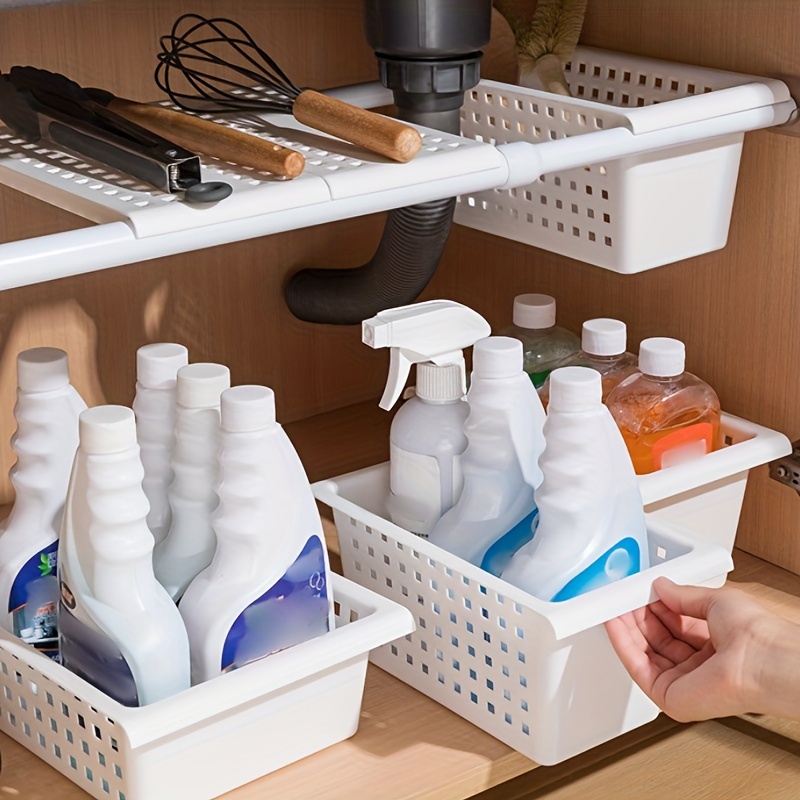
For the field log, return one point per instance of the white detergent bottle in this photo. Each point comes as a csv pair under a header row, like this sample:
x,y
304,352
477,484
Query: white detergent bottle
x,y
427,435
591,521
496,511
118,628
267,587
190,542
157,368
45,441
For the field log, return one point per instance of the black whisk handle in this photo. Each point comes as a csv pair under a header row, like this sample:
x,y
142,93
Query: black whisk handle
x,y
374,132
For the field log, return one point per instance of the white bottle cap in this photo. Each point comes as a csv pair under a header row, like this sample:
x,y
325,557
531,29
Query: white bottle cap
x,y
662,357
575,389
200,385
439,384
536,311
244,409
497,357
42,369
157,364
107,429
604,337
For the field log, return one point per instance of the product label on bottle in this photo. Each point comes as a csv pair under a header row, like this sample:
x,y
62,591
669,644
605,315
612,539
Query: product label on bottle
x,y
94,656
420,493
33,601
293,610
683,445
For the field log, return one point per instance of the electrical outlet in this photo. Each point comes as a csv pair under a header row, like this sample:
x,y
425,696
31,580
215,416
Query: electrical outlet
x,y
786,470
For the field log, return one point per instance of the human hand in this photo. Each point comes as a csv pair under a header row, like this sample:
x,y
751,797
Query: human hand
x,y
705,653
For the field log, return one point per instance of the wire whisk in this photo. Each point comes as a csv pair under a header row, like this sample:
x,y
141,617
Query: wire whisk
x,y
215,65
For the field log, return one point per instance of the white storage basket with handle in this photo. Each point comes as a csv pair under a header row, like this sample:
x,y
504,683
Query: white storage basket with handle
x,y
651,154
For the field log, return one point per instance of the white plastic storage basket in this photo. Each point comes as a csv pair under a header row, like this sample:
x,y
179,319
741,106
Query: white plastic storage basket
x,y
658,182
705,495
541,677
213,737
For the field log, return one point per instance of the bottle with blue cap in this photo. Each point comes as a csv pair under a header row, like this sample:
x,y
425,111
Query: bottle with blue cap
x,y
591,528
118,628
46,411
189,545
496,511
267,587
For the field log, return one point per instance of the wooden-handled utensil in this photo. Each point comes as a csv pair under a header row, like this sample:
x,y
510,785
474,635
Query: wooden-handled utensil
x,y
206,137
219,68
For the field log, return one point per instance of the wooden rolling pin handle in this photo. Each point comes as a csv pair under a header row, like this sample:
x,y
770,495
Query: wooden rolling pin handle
x,y
369,130
219,141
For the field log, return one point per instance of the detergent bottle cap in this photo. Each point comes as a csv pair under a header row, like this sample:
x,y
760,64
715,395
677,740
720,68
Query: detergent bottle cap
x,y
575,389
42,369
534,311
157,364
245,409
604,337
435,331
497,357
105,430
200,385
662,357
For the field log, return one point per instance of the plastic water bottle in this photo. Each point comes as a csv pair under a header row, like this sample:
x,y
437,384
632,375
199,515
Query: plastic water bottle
x,y
591,527
118,628
157,367
45,441
267,587
505,439
545,345
189,545
426,442
667,416
603,343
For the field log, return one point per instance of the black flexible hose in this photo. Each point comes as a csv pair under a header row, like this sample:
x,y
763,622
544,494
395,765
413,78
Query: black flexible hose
x,y
405,261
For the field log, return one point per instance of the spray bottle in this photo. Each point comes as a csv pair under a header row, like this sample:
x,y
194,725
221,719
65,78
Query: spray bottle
x,y
427,434
496,512
591,527
45,441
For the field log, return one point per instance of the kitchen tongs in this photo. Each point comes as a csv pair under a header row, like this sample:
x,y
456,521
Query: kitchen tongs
x,y
37,104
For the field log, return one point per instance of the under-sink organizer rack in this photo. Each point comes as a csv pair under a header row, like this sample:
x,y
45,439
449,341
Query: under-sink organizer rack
x,y
625,187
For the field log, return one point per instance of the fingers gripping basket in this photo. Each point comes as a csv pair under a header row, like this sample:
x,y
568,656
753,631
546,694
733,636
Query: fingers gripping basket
x,y
541,677
654,149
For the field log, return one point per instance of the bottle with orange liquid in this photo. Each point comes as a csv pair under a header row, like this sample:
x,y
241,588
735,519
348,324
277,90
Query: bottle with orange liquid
x,y
603,343
666,416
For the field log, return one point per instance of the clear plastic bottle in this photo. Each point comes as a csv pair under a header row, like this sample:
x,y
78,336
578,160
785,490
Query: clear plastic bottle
x,y
666,415
267,587
544,344
426,442
118,627
591,528
603,343
505,439
47,411
190,542
157,368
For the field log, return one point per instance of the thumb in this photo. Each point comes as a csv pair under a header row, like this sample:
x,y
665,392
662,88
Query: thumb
x,y
689,601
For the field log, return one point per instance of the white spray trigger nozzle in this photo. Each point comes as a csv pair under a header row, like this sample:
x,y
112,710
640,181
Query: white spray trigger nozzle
x,y
436,331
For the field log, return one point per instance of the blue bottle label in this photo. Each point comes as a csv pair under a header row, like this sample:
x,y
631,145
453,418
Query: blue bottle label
x,y
91,655
33,601
619,561
293,610
499,554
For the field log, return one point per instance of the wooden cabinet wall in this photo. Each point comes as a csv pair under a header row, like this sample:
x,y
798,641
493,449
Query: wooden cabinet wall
x,y
735,308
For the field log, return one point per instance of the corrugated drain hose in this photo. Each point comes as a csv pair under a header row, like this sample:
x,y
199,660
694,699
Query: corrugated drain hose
x,y
428,54
405,261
